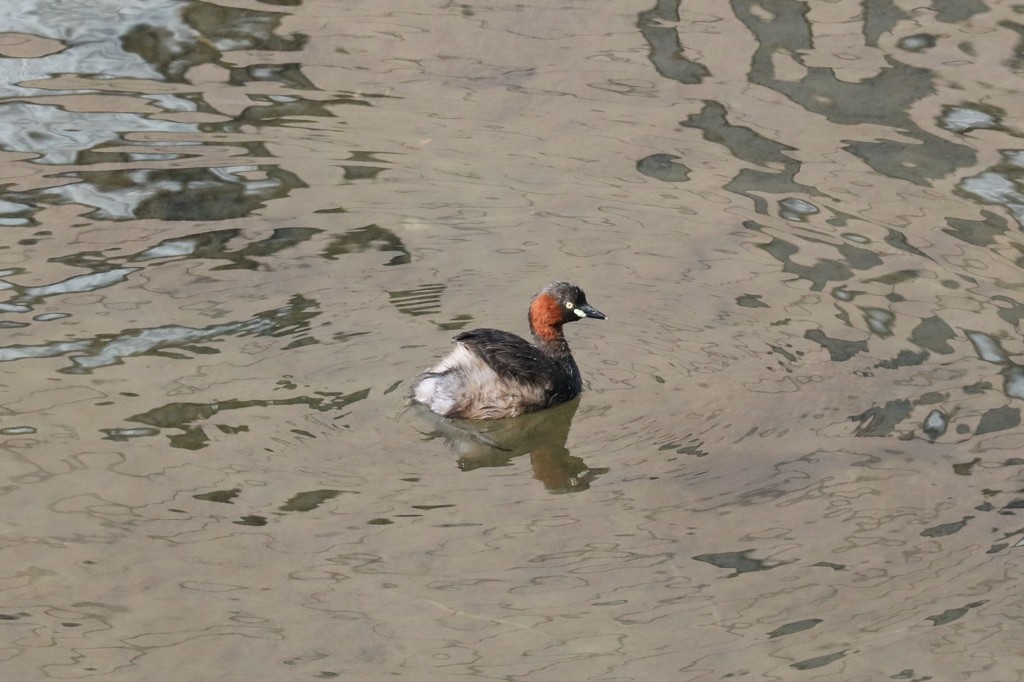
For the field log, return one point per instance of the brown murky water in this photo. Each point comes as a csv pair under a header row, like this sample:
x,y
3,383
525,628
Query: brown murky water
x,y
234,231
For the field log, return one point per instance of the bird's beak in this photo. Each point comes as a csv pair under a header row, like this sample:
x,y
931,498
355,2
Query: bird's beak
x,y
590,311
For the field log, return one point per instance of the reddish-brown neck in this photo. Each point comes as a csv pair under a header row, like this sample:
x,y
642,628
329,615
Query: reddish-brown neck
x,y
546,318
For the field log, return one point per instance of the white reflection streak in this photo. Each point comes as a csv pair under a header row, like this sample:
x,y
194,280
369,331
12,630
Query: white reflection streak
x,y
133,343
169,249
49,350
78,284
987,348
141,342
993,188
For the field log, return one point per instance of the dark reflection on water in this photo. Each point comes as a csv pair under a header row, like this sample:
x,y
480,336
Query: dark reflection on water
x,y
188,417
667,53
740,562
665,167
106,271
288,74
310,500
211,193
886,99
184,194
169,341
208,195
495,443
162,49
889,279
214,28
165,42
746,144
819,274
368,238
278,110
213,245
221,496
235,28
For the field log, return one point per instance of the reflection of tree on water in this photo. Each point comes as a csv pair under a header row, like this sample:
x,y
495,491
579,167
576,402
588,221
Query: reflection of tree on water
x,y
207,30
204,193
494,443
209,193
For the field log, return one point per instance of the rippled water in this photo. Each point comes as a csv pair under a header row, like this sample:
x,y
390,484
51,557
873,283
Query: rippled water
x,y
234,232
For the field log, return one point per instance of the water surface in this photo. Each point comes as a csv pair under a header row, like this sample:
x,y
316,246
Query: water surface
x,y
233,232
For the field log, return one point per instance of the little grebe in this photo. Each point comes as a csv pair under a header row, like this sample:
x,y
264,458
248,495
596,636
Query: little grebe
x,y
493,374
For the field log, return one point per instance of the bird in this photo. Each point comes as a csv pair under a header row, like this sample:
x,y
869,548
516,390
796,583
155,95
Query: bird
x,y
495,374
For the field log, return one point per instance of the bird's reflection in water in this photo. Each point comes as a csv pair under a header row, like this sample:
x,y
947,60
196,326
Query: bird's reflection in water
x,y
542,435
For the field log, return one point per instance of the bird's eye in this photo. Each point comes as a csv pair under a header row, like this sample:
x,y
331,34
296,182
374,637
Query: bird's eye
x,y
569,305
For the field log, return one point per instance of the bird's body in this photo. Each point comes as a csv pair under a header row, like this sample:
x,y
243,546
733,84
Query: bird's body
x,y
492,374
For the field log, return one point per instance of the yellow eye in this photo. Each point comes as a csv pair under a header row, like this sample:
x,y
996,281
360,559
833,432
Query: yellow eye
x,y
568,304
